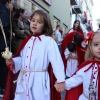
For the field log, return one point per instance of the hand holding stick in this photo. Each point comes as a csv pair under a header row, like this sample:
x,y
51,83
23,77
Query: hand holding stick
x,y
6,54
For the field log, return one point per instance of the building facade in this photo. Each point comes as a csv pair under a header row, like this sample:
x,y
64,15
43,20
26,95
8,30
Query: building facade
x,y
82,10
59,11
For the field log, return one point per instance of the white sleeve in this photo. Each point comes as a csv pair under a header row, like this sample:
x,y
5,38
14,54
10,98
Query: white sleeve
x,y
75,80
56,61
71,31
17,64
59,37
67,52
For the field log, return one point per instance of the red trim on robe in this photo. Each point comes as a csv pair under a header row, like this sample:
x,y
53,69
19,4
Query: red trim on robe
x,y
77,91
79,50
10,86
80,54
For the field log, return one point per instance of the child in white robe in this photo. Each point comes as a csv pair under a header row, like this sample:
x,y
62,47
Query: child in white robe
x,y
72,63
89,72
33,82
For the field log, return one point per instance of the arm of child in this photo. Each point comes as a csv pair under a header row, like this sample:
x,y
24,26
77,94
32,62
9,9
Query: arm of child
x,y
17,64
67,54
75,80
72,82
56,61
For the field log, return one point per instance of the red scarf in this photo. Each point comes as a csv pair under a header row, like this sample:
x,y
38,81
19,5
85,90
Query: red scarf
x,y
77,91
10,86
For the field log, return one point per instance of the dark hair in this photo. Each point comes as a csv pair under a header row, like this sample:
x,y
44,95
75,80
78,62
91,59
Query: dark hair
x,y
57,26
78,39
71,47
18,11
79,28
99,26
4,1
47,23
14,8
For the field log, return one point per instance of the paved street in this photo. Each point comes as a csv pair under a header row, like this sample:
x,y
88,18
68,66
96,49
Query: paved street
x,y
62,96
0,98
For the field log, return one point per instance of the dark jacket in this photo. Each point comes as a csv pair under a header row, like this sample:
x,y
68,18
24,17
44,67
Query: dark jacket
x,y
5,18
19,36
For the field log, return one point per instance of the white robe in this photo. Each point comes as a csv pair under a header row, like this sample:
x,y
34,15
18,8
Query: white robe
x,y
72,64
36,56
82,77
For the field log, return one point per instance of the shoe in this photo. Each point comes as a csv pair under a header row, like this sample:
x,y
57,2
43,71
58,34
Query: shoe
x,y
1,93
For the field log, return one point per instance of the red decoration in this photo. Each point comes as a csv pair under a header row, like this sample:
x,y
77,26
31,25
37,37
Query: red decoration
x,y
90,35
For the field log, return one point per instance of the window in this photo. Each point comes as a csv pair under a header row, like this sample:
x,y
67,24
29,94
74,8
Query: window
x,y
34,7
56,22
48,2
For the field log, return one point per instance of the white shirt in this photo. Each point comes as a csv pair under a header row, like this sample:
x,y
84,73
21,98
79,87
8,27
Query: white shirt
x,y
58,37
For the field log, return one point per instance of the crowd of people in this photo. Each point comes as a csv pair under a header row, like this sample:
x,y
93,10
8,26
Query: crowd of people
x,y
38,53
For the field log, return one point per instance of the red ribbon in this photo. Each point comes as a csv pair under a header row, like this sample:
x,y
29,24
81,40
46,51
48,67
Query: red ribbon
x,y
90,35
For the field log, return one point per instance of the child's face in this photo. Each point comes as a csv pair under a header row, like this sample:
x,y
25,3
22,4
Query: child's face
x,y
96,46
37,24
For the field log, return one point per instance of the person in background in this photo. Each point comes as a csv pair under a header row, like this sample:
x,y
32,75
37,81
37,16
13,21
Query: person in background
x,y
20,28
58,36
88,74
76,28
5,8
28,19
71,54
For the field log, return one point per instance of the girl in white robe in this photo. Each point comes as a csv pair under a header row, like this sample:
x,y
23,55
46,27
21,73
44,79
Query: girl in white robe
x,y
88,74
33,81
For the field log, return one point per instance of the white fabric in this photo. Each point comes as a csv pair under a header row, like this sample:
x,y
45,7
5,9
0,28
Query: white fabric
x,y
72,64
82,77
36,56
58,37
71,31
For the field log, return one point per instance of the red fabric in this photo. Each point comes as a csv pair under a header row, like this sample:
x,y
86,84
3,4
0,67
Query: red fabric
x,y
54,94
80,51
99,84
85,15
80,54
10,86
76,30
77,91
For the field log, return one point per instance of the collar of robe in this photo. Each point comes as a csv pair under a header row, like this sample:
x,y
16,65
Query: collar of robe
x,y
93,62
25,41
37,35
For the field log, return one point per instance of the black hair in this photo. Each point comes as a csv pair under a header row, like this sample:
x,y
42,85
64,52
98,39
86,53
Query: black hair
x,y
18,11
4,1
57,26
79,28
71,47
77,39
14,8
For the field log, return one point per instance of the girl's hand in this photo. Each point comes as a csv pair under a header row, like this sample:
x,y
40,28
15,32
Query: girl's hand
x,y
60,87
9,62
